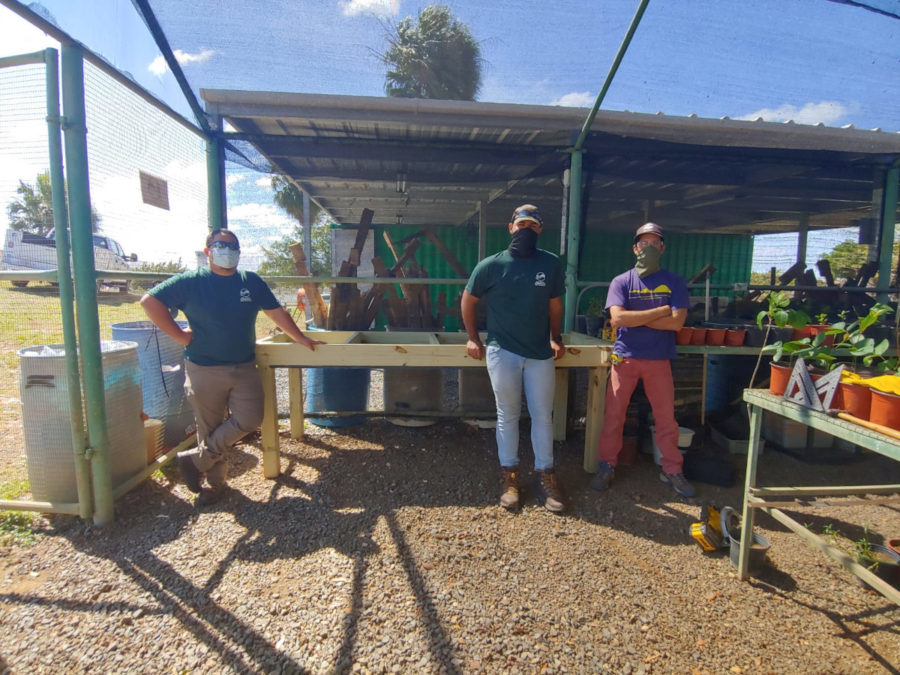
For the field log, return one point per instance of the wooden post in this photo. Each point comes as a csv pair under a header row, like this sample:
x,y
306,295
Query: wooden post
x,y
313,298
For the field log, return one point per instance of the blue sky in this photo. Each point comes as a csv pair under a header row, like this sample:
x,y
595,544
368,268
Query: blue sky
x,y
811,61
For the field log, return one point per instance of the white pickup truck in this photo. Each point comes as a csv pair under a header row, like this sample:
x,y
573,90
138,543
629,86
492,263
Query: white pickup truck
x,y
28,251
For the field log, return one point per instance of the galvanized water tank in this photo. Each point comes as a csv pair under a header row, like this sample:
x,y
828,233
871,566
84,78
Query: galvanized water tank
x,y
44,392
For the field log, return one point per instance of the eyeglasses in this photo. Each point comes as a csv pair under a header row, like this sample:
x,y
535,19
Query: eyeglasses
x,y
655,243
233,245
534,214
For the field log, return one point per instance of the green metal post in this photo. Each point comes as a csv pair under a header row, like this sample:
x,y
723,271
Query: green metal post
x,y
86,279
215,181
573,239
888,224
574,223
66,290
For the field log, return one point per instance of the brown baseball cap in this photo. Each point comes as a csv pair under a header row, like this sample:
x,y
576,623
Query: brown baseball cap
x,y
649,228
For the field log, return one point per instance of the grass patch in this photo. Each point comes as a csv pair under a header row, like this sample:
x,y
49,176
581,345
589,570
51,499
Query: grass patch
x,y
16,527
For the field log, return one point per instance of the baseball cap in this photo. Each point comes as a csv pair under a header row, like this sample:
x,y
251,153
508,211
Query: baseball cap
x,y
649,228
527,212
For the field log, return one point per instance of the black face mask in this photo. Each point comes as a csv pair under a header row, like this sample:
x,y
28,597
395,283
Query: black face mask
x,y
524,243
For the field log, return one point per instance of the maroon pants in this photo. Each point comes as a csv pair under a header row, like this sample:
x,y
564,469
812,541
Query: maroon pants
x,y
657,379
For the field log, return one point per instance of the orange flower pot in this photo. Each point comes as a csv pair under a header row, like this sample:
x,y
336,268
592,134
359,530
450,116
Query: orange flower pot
x,y
715,337
885,409
854,398
683,336
735,337
698,337
778,378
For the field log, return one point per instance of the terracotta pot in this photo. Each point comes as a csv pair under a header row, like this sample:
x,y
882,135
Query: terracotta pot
x,y
894,545
811,331
885,409
683,337
854,398
734,337
715,336
698,337
779,376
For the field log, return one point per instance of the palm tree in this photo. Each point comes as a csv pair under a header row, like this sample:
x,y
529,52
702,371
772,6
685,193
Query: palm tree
x,y
436,58
32,210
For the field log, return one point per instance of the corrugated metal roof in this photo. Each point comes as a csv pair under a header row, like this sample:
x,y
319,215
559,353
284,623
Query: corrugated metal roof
x,y
691,174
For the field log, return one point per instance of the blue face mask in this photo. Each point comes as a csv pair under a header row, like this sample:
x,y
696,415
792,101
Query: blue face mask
x,y
225,257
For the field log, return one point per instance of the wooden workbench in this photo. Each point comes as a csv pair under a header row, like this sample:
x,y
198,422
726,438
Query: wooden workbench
x,y
377,349
768,498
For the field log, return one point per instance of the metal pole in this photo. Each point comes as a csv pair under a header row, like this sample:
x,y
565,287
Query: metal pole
x,y
636,19
66,290
85,279
574,221
888,223
307,232
216,194
573,228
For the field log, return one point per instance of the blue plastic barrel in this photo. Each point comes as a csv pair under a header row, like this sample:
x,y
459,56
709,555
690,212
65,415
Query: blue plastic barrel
x,y
336,390
726,377
161,360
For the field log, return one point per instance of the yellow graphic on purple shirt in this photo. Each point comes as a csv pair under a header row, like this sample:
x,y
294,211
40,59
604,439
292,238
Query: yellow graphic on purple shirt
x,y
661,292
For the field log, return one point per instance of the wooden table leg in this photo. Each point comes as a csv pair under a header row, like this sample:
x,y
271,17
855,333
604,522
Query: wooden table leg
x,y
269,426
295,401
593,420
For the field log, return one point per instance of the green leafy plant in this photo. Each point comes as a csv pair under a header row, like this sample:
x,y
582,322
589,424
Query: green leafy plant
x,y
846,339
595,307
778,314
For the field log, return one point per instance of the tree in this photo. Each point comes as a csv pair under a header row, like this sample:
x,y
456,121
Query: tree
x,y
436,58
32,210
847,257
279,261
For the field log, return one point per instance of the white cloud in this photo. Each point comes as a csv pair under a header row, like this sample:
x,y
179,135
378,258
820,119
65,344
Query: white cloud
x,y
159,66
826,112
264,182
262,217
377,7
234,178
576,99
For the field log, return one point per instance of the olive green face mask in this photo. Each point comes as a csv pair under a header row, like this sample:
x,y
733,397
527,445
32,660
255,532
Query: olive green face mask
x,y
647,261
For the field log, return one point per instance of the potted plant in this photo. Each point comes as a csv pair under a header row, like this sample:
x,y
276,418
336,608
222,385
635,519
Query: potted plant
x,y
594,316
879,560
777,317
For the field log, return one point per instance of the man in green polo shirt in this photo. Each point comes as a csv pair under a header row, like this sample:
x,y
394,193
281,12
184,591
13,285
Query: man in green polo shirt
x,y
221,304
522,287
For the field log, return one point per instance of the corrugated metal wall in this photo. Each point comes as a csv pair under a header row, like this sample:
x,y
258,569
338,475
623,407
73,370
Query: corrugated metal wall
x,y
603,256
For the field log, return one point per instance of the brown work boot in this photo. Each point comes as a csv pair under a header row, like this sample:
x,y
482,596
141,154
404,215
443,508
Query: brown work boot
x,y
510,497
549,491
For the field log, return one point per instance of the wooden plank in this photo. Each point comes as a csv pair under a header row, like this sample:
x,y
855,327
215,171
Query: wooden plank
x,y
451,259
372,300
313,298
295,401
593,421
269,426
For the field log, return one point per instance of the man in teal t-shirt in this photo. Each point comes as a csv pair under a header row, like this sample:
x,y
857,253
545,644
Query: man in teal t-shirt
x,y
522,288
221,304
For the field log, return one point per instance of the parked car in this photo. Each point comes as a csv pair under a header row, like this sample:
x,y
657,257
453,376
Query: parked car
x,y
28,251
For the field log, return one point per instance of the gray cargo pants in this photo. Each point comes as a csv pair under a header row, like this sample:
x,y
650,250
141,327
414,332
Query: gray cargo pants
x,y
228,404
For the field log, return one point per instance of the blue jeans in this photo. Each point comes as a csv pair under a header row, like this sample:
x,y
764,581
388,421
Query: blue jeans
x,y
508,371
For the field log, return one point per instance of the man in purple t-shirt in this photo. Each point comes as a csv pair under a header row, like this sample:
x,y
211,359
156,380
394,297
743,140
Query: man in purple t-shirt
x,y
647,306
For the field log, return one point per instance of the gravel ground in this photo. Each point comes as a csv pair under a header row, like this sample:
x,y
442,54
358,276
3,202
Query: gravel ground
x,y
383,549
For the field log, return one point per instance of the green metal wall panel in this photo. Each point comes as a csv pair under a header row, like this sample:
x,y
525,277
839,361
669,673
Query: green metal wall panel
x,y
604,255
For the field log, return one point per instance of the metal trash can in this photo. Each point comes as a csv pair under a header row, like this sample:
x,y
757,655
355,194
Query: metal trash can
x,y
47,423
